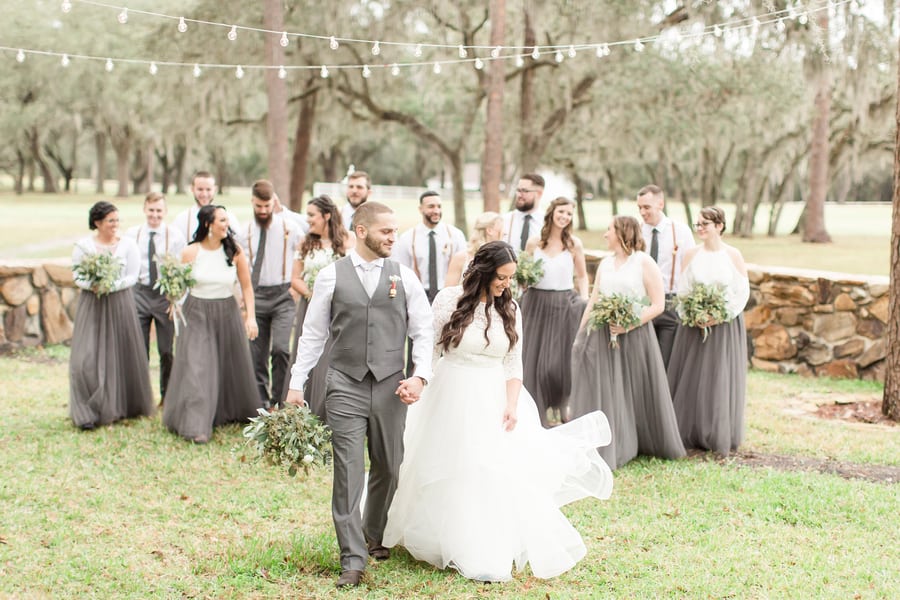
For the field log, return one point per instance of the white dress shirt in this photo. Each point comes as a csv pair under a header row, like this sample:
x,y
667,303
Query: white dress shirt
x,y
513,222
186,222
412,250
317,324
347,216
281,241
297,219
168,241
664,239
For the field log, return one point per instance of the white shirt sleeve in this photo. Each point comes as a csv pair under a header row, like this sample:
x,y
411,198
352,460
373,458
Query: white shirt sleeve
x,y
420,323
316,326
128,253
402,253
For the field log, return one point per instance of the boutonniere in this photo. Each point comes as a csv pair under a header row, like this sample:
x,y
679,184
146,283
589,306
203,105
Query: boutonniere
x,y
447,249
393,291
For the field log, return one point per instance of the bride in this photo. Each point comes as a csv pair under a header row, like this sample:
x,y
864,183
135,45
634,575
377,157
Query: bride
x,y
481,482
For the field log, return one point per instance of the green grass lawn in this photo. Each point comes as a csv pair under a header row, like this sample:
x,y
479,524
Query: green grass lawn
x,y
41,226
133,511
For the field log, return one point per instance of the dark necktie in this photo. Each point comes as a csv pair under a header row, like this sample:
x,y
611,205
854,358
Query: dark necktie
x,y
654,246
151,258
258,262
432,266
526,226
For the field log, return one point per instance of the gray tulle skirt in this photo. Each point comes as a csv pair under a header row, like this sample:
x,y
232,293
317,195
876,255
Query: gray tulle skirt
x,y
314,390
212,380
709,385
109,377
629,385
549,323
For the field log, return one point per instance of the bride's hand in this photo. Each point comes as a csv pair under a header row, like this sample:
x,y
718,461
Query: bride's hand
x,y
509,418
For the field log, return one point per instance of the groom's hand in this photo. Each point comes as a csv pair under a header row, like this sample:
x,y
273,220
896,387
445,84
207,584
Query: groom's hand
x,y
410,389
295,398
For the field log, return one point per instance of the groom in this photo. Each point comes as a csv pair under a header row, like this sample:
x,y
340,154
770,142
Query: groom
x,y
370,305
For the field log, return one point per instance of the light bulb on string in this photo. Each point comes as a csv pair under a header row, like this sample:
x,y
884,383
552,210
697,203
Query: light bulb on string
x,y
376,49
333,43
182,26
109,65
123,16
66,6
495,52
20,56
638,46
462,51
65,60
571,51
366,72
755,23
803,19
284,40
153,68
324,72
232,34
599,51
395,69
780,26
437,68
197,70
558,57
282,72
479,64
418,51
520,62
606,50
239,72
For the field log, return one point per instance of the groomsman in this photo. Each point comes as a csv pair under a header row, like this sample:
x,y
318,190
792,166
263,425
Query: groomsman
x,y
155,240
359,186
667,242
270,240
203,188
526,220
369,304
428,247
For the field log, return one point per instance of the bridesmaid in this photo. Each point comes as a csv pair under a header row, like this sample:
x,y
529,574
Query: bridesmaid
x,y
708,378
488,228
551,310
627,383
108,375
325,242
212,380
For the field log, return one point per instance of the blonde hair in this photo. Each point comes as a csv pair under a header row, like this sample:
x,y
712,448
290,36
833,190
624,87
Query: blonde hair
x,y
479,230
628,230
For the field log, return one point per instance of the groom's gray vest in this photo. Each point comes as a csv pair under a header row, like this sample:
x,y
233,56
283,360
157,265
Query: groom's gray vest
x,y
369,333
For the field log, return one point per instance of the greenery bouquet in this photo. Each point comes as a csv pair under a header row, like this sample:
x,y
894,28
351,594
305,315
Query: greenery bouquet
x,y
703,305
292,437
529,271
100,270
314,263
174,281
616,309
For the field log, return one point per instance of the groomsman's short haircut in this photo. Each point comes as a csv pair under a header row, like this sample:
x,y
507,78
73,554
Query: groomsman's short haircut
x,y
534,178
201,175
360,175
154,197
263,190
366,213
428,194
651,189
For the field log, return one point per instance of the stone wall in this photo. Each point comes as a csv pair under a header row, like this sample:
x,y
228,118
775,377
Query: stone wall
x,y
37,303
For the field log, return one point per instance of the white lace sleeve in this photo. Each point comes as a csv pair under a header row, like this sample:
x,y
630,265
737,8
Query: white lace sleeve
x,y
512,362
736,295
442,308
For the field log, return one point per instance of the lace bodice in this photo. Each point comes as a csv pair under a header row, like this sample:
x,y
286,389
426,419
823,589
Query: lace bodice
x,y
627,279
472,349
559,271
717,268
316,260
215,278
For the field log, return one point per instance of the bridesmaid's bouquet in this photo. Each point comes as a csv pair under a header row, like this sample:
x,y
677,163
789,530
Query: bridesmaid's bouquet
x,y
616,309
704,304
100,270
313,263
529,270
174,281
292,437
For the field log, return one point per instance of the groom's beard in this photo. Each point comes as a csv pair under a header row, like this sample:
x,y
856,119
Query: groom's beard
x,y
377,247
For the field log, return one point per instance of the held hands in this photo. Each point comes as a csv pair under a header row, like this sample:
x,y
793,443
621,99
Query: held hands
x,y
410,389
251,328
295,398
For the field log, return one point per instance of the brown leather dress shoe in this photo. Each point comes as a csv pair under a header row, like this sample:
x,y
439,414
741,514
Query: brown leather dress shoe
x,y
348,579
379,552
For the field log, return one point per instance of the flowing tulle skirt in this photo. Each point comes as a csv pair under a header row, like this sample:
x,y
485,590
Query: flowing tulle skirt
x,y
549,320
629,385
109,377
478,499
709,385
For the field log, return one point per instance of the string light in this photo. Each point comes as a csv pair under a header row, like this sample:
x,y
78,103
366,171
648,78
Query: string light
x,y
65,60
717,31
66,6
20,56
182,26
803,19
418,51
153,68
535,54
571,51
333,43
495,53
366,72
437,68
395,69
558,57
520,62
109,65
282,72
284,40
123,16
462,52
780,26
197,71
239,72
638,46
232,35
324,72
479,64
376,49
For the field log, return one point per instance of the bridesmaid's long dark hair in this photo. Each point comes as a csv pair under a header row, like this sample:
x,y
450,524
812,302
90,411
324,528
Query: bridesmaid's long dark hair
x,y
205,218
336,232
477,282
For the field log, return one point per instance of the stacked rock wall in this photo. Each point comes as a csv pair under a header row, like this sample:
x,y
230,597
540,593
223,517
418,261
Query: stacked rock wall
x,y
37,303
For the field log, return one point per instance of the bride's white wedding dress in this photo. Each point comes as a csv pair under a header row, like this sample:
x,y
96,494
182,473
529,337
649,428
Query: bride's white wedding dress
x,y
474,497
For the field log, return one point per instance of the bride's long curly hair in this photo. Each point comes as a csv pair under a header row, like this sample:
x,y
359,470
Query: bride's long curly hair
x,y
477,283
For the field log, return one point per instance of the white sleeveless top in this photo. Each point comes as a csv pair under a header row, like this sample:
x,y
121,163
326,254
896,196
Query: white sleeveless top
x,y
559,271
627,279
215,279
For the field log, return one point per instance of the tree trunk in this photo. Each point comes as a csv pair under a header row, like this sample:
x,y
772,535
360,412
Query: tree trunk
x,y
328,163
122,148
890,406
492,162
814,226
527,160
276,93
19,185
181,153
579,194
457,163
100,149
613,191
34,138
302,143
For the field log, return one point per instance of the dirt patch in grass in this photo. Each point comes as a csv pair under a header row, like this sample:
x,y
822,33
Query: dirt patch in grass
x,y
863,411
847,470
